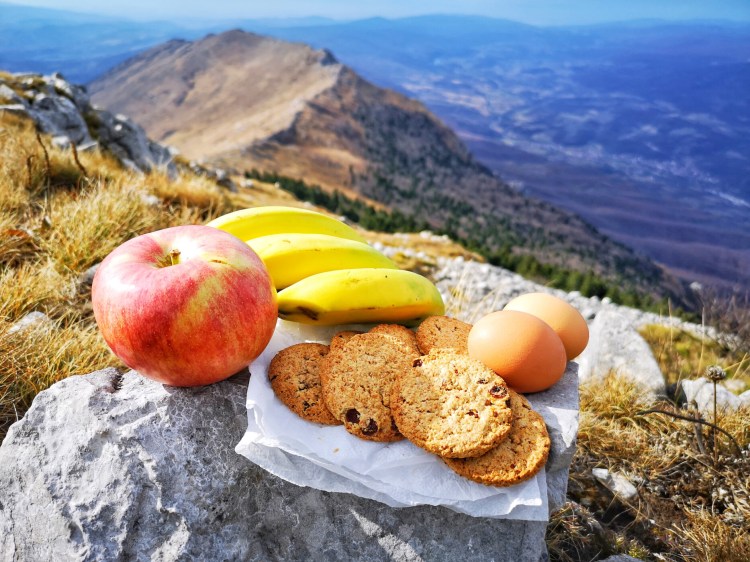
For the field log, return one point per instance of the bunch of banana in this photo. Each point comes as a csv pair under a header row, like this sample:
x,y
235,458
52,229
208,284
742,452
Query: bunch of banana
x,y
326,273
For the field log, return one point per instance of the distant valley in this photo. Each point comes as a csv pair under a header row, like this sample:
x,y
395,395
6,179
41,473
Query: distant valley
x,y
642,128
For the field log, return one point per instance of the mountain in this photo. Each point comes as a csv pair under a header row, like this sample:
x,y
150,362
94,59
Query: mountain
x,y
241,100
642,128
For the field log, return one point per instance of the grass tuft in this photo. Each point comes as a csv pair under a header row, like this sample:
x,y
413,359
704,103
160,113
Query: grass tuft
x,y
33,359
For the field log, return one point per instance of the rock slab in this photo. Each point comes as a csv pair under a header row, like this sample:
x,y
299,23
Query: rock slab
x,y
616,346
109,466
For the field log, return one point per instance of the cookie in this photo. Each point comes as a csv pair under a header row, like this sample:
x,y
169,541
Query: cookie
x,y
340,338
443,332
357,381
451,405
399,332
295,378
519,457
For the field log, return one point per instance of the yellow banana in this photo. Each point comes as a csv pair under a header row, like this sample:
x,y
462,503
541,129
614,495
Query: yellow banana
x,y
292,257
350,296
247,224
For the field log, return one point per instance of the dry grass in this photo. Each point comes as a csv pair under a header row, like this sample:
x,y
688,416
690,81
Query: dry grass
x,y
687,508
682,355
33,359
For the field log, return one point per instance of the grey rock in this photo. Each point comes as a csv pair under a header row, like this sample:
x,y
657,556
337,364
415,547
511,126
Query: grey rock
x,y
107,467
735,386
701,391
62,142
620,558
616,483
30,320
129,143
86,279
58,116
615,346
9,95
17,108
75,93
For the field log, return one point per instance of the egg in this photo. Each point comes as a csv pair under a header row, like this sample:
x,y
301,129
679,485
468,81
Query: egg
x,y
519,347
561,317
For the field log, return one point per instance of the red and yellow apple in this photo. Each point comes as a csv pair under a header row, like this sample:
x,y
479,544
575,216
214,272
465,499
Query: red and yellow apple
x,y
186,306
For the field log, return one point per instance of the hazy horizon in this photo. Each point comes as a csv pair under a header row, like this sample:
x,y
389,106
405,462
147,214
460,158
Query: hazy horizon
x,y
535,12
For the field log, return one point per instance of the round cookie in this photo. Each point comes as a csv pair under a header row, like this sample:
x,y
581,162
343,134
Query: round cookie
x,y
519,457
294,374
399,332
357,382
340,338
451,405
443,332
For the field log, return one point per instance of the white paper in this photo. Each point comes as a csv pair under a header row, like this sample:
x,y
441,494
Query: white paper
x,y
328,458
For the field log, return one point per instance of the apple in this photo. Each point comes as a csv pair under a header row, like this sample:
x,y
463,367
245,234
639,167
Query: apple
x,y
186,306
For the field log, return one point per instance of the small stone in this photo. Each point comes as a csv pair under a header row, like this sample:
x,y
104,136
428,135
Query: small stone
x,y
86,279
30,320
616,483
61,141
701,391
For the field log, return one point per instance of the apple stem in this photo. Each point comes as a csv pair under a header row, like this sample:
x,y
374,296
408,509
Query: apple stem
x,y
174,256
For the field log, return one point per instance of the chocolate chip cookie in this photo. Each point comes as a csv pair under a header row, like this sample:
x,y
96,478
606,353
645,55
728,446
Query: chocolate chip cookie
x,y
443,332
451,405
294,374
357,381
517,458
398,331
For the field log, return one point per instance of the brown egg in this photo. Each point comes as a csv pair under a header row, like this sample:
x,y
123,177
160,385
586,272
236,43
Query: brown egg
x,y
561,317
519,347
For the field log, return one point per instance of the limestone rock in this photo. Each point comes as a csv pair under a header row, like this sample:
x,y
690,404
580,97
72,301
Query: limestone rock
x,y
108,466
30,320
616,346
64,111
57,115
616,483
10,96
701,391
129,143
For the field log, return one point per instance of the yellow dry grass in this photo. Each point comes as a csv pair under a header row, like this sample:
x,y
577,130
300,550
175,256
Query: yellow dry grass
x,y
687,506
684,355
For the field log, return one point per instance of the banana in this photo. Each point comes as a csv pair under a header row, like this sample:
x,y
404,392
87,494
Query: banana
x,y
351,296
247,224
292,257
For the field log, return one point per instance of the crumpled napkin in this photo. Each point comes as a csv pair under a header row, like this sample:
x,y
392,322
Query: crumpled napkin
x,y
328,458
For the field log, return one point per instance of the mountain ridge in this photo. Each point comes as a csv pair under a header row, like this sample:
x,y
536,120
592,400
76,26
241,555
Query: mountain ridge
x,y
333,128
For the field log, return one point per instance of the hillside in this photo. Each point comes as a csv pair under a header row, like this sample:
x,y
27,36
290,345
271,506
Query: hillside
x,y
250,102
641,127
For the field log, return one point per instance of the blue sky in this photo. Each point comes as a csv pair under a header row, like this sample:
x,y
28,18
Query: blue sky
x,y
541,12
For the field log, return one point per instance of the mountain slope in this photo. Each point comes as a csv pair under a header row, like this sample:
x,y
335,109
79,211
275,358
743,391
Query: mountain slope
x,y
642,128
253,102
